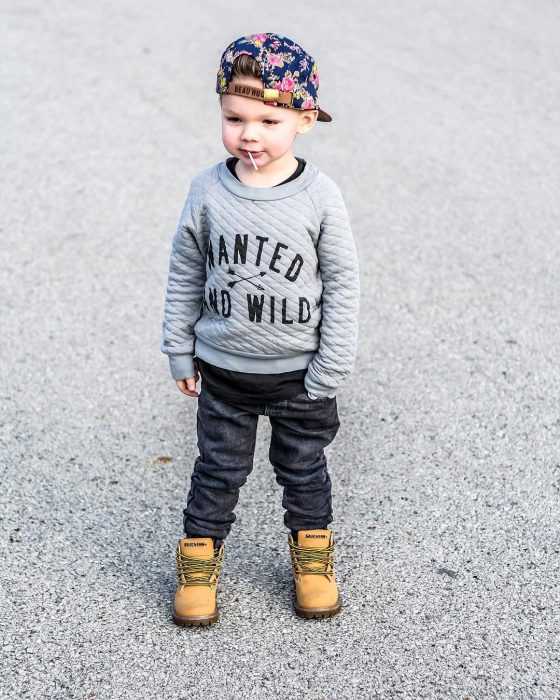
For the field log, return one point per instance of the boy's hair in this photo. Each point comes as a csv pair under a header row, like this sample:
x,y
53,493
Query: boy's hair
x,y
245,66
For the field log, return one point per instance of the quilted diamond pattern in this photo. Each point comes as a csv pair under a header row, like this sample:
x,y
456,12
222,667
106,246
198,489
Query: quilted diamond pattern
x,y
268,272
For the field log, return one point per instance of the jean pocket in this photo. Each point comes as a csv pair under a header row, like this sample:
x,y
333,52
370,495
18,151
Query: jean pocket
x,y
305,397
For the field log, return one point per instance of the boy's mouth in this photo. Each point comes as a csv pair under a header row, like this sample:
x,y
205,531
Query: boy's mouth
x,y
253,153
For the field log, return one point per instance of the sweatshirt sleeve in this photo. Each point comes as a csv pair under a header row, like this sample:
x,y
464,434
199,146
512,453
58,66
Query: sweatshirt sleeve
x,y
185,289
334,359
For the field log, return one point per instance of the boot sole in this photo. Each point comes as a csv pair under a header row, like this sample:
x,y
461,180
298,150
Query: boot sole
x,y
195,620
310,613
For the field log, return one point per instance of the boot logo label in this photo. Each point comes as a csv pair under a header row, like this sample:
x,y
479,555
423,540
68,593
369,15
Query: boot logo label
x,y
195,544
322,537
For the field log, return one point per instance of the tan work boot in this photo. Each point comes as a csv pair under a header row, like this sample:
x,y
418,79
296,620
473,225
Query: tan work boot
x,y
198,567
314,576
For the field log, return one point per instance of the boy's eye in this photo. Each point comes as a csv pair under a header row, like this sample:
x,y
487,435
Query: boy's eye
x,y
236,119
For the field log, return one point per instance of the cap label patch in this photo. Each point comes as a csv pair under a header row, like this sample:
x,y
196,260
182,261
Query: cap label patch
x,y
246,90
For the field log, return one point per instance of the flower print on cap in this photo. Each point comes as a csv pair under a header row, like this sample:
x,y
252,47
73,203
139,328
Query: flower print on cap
x,y
285,66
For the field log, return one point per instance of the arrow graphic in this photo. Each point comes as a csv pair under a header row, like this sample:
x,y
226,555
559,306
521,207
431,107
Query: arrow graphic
x,y
231,271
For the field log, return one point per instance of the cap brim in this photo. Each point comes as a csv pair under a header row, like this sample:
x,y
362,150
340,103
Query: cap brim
x,y
323,116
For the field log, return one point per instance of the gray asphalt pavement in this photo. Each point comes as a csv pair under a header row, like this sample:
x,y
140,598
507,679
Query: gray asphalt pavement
x,y
446,470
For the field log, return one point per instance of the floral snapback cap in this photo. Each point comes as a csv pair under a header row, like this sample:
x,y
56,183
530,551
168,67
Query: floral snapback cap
x,y
290,75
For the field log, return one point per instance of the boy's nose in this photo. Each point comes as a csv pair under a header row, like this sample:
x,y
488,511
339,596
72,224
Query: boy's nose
x,y
249,134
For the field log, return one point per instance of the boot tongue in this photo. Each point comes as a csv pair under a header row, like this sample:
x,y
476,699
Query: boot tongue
x,y
314,538
319,539
198,547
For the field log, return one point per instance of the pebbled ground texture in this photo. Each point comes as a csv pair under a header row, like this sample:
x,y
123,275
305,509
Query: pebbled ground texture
x,y
446,470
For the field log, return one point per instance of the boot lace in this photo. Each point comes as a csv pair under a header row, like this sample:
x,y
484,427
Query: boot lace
x,y
302,557
187,567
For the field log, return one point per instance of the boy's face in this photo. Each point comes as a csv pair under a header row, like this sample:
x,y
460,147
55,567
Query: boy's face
x,y
267,131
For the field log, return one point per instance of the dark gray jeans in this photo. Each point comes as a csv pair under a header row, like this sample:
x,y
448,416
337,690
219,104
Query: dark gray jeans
x,y
301,429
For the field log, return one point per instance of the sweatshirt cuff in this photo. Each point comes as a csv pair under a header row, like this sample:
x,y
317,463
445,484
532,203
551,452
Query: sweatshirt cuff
x,y
181,366
316,390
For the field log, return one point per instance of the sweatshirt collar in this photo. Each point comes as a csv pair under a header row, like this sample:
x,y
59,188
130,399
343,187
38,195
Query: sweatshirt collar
x,y
267,193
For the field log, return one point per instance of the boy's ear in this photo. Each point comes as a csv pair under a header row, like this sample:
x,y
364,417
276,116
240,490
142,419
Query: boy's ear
x,y
306,120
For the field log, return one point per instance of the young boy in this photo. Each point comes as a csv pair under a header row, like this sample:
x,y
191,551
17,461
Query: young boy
x,y
262,302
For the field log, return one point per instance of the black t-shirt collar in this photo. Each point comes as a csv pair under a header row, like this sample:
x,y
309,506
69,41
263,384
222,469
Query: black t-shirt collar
x,y
231,162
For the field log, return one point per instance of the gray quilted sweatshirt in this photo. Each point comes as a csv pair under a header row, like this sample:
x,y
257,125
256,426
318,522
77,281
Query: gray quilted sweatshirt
x,y
264,280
